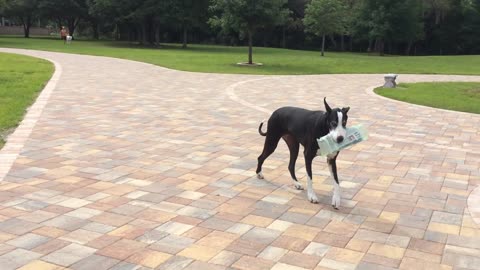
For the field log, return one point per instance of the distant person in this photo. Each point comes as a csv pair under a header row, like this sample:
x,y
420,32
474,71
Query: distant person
x,y
63,33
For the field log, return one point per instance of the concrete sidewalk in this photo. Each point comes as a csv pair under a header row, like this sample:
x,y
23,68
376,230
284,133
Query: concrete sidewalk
x,y
133,166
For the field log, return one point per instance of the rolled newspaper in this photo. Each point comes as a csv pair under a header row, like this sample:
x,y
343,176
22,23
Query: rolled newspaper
x,y
328,145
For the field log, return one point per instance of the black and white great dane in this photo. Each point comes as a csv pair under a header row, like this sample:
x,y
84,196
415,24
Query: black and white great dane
x,y
299,126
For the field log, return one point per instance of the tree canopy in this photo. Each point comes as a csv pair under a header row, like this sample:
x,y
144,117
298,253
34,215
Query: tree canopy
x,y
23,10
248,16
325,17
409,27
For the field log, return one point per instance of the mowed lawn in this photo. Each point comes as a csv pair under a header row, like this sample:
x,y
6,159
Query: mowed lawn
x,y
457,96
222,59
21,80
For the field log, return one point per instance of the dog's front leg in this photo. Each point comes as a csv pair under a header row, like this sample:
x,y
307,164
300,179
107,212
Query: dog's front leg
x,y
332,165
312,197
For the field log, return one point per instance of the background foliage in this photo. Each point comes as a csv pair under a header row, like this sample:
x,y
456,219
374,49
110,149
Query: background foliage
x,y
412,27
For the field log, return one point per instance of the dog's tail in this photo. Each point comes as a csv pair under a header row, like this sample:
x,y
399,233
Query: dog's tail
x,y
260,129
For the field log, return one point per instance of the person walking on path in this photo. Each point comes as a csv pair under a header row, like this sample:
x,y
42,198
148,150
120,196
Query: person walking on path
x,y
63,33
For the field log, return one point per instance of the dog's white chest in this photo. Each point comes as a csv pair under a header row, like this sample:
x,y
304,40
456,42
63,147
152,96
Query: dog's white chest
x,y
332,155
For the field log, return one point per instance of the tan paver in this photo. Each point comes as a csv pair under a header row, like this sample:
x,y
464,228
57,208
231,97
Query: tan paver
x,y
123,164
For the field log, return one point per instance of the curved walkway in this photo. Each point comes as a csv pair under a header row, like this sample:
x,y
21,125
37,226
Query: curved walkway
x,y
132,165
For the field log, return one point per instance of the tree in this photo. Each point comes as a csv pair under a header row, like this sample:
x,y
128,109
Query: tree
x,y
407,26
373,23
450,26
471,27
65,11
143,19
94,19
247,16
188,13
349,22
438,8
133,14
324,17
24,11
388,21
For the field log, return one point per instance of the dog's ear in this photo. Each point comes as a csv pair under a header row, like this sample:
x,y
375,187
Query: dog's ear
x,y
345,110
326,105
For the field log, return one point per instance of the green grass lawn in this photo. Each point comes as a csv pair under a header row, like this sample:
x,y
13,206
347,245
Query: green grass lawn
x,y
457,96
21,79
222,59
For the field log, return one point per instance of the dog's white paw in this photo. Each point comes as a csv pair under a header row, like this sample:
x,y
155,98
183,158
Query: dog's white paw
x,y
336,198
260,175
297,185
312,197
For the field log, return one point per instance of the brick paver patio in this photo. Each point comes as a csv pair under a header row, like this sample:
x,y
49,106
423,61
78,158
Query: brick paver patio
x,y
133,166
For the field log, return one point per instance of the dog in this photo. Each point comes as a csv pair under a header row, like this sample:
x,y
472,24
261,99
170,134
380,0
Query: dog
x,y
300,126
68,39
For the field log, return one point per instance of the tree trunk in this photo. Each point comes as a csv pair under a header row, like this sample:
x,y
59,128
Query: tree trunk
x,y
151,31
71,27
95,31
334,43
138,34
76,22
157,35
144,33
185,36
116,33
130,34
250,44
26,31
369,49
437,18
27,23
342,43
284,37
350,44
381,47
409,47
323,45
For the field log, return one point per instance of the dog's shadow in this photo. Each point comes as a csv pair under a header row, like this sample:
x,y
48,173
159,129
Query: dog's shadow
x,y
257,182
324,198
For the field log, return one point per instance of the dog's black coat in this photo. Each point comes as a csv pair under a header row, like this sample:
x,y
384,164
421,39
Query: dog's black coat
x,y
300,126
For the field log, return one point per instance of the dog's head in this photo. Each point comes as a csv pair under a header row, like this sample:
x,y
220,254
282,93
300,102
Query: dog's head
x,y
336,121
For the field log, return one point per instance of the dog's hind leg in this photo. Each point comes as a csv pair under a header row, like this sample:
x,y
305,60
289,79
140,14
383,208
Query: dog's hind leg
x,y
312,197
271,142
332,165
293,146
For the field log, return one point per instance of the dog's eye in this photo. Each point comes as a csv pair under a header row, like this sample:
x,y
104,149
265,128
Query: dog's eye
x,y
334,124
344,123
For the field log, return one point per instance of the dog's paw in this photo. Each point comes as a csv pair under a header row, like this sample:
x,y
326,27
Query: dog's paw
x,y
312,197
260,175
297,185
336,200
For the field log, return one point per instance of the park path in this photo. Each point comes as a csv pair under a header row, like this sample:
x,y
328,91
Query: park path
x,y
126,165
